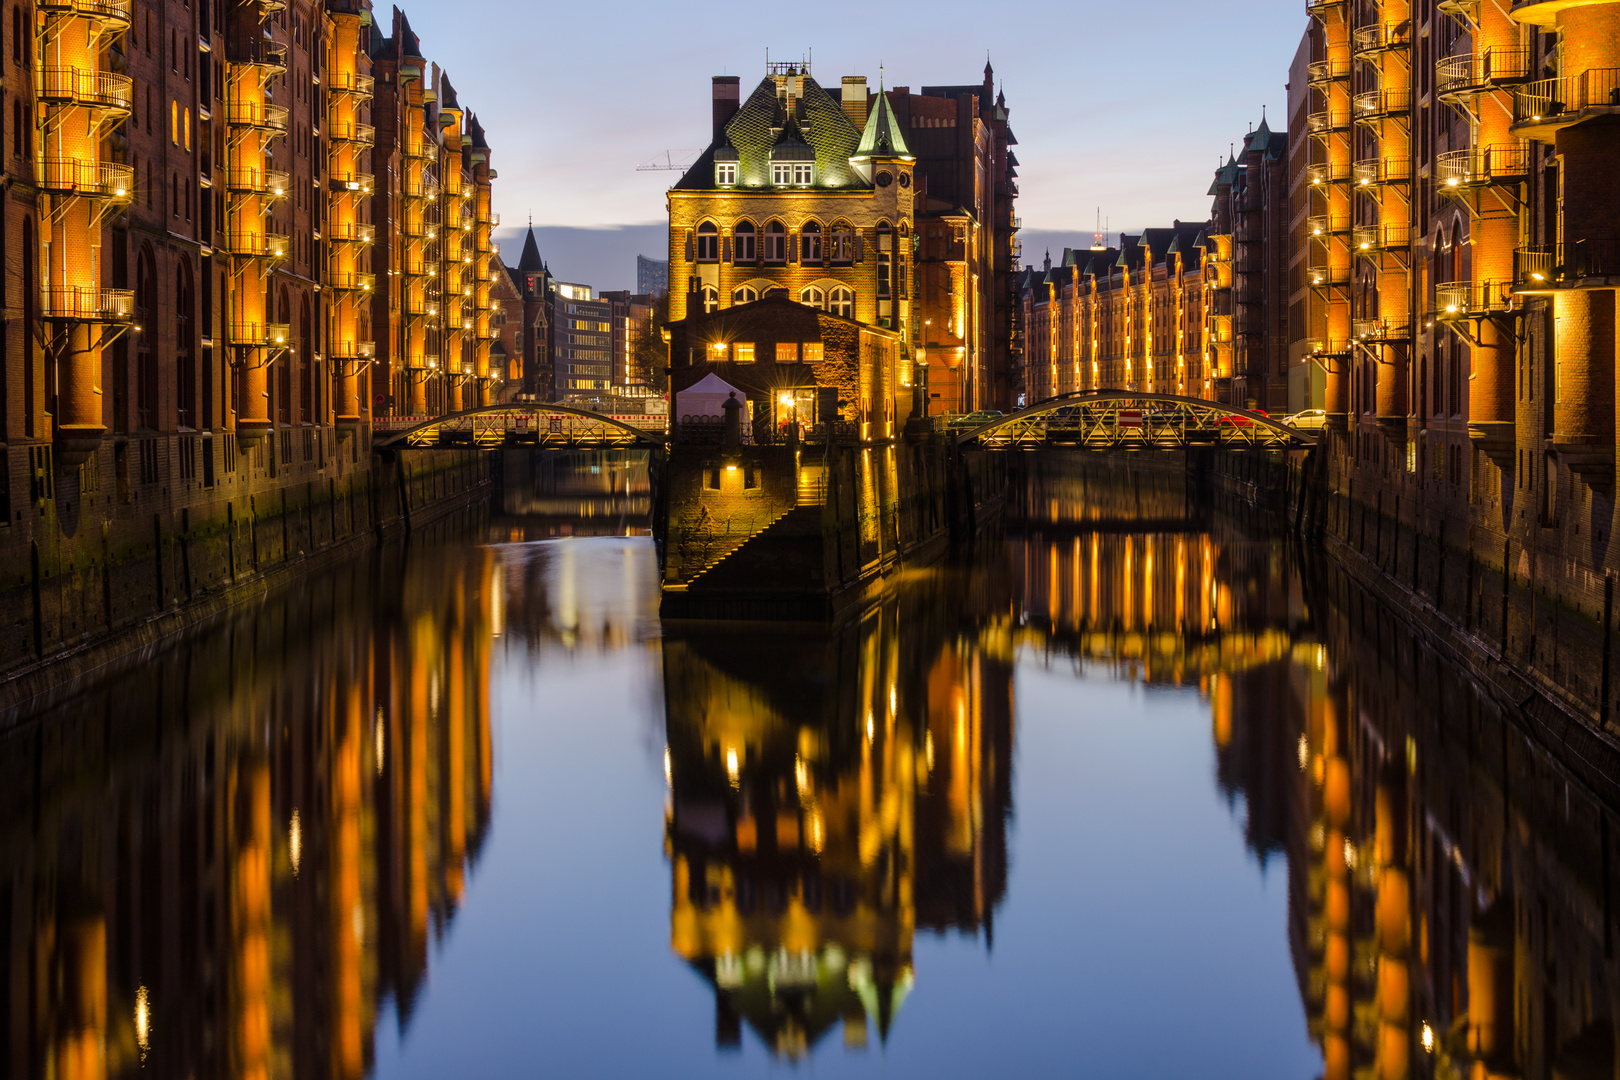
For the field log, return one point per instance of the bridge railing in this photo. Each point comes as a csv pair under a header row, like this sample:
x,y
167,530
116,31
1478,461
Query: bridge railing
x,y
1104,420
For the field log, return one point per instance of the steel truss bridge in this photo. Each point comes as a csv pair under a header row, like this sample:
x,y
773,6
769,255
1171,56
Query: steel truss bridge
x,y
547,426
1128,420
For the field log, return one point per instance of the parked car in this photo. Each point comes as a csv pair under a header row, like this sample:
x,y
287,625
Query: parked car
x,y
1307,419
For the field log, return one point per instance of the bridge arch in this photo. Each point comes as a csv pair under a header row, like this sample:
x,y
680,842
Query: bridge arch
x,y
520,423
1100,419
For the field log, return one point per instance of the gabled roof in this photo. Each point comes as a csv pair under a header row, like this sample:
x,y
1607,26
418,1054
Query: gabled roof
x,y
882,137
762,122
475,132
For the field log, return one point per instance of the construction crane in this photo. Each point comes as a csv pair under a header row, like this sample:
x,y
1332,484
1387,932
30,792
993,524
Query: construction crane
x,y
670,161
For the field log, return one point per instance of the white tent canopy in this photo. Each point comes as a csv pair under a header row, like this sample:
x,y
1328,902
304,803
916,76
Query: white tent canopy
x,y
707,397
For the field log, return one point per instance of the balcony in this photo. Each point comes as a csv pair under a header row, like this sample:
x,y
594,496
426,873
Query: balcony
x,y
85,304
1382,329
1545,106
87,179
261,335
106,11
1325,225
1327,277
420,307
1470,299
416,268
421,187
1370,238
1322,7
1379,104
250,245
351,232
87,88
1329,173
1376,172
1379,38
1326,71
259,52
1501,163
269,183
1474,73
257,116
349,281
350,132
1324,121
353,183
350,82
353,350
1329,347
418,148
1551,267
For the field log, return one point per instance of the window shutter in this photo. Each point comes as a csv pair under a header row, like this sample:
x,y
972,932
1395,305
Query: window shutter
x,y
793,247
691,250
860,247
725,249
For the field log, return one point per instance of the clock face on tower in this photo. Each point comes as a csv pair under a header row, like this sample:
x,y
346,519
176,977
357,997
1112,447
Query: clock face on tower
x,y
883,179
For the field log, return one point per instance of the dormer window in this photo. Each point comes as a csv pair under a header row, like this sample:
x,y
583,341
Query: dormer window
x,y
781,174
725,173
801,174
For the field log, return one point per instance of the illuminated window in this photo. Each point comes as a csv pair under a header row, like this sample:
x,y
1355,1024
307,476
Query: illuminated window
x,y
787,352
813,352
801,173
812,297
711,299
745,248
842,302
810,242
775,242
841,243
743,352
708,242
781,174
174,122
185,128
744,294
725,173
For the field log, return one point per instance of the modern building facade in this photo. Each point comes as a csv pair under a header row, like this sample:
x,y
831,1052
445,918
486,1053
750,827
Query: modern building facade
x,y
581,343
652,275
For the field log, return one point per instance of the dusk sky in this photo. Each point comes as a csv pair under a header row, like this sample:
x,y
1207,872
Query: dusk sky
x,y
1122,107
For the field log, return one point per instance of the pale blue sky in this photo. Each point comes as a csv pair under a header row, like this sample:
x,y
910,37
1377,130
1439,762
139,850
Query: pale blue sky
x,y
1122,106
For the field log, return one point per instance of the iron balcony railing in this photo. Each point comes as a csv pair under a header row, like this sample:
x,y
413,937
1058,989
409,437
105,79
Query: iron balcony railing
x,y
1389,101
1322,7
1556,264
353,182
1385,328
351,232
258,52
114,11
1486,69
1324,276
349,131
353,350
82,86
1326,120
1494,164
1373,172
1381,237
1323,71
258,245
1547,100
271,183
350,82
1379,37
419,187
1329,347
1462,299
350,281
1325,225
87,304
261,335
1329,173
90,179
257,115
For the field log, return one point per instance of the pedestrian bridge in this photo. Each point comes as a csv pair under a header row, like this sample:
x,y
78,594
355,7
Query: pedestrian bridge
x,y
547,426
1129,420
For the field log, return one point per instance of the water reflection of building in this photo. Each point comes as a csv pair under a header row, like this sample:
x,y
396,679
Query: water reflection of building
x,y
832,793
224,869
1451,885
549,493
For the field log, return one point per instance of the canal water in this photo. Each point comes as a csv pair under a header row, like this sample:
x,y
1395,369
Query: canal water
x,y
1082,802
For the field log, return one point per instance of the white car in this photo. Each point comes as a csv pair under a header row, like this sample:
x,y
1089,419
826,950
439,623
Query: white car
x,y
1307,420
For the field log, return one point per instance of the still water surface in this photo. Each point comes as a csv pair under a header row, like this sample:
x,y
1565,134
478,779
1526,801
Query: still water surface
x,y
1090,802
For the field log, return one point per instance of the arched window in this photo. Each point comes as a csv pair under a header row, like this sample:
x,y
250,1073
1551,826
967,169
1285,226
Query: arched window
x,y
775,242
812,297
708,242
306,366
842,302
185,362
810,242
146,390
745,251
711,299
744,294
841,243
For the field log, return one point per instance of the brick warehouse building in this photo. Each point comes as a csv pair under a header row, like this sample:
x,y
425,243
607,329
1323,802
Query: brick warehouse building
x,y
203,234
828,199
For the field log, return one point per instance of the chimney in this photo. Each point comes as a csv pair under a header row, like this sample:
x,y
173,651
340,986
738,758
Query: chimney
x,y
727,100
854,99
